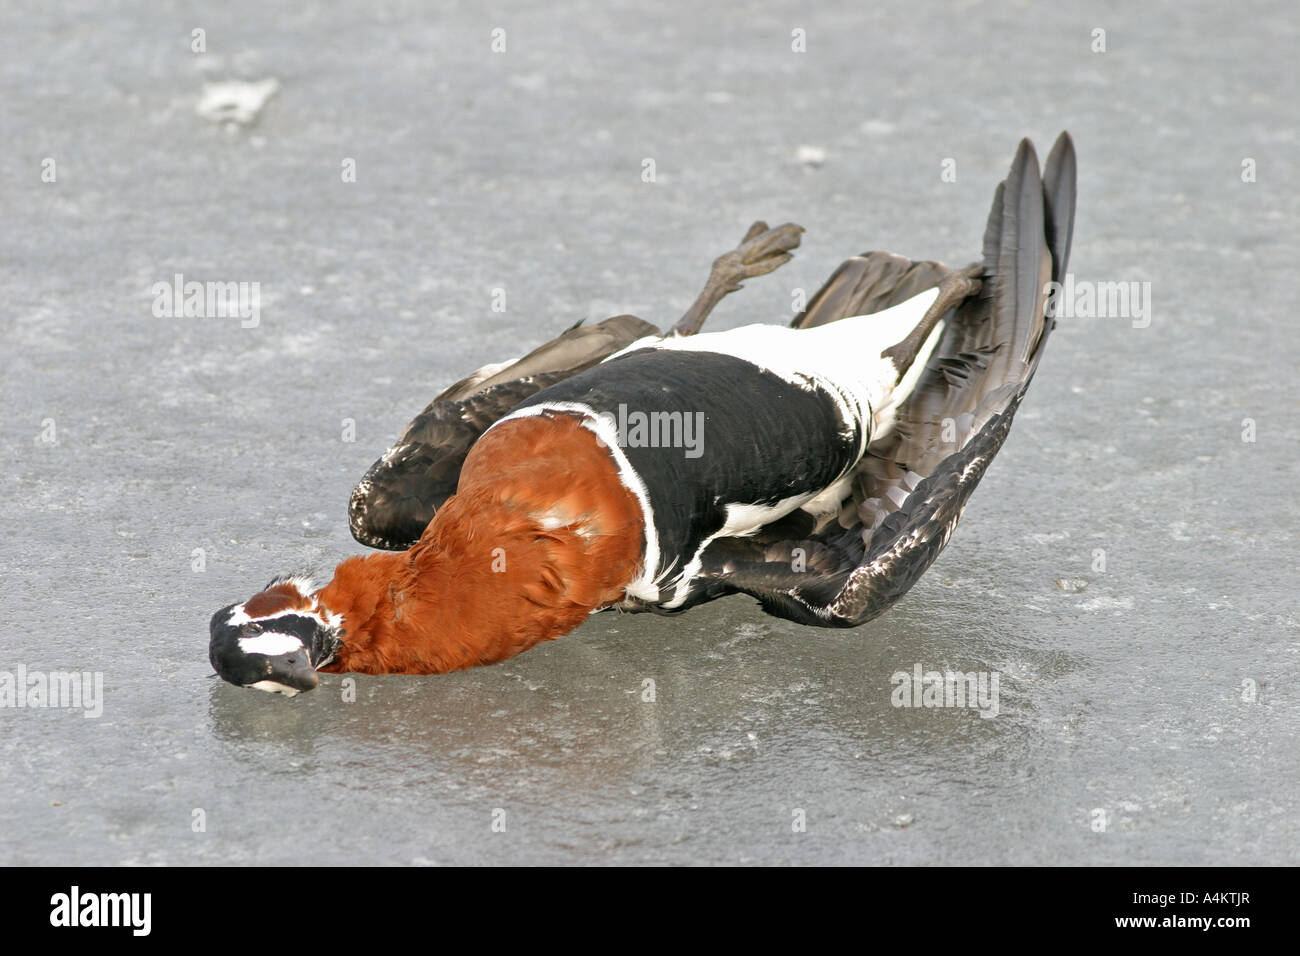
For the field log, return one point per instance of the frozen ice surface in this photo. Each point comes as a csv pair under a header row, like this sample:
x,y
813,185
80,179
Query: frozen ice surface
x,y
1158,687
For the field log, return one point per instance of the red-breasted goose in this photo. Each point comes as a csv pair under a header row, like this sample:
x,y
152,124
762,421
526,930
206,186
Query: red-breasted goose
x,y
819,467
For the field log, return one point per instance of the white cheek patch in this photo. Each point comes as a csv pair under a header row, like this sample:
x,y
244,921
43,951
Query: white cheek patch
x,y
274,687
270,644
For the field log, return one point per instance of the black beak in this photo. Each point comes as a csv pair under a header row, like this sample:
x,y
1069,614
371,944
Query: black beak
x,y
293,670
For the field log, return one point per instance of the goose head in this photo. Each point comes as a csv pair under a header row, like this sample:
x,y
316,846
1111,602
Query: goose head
x,y
276,640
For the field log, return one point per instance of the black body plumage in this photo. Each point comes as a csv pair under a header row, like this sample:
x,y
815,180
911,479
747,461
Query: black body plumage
x,y
704,432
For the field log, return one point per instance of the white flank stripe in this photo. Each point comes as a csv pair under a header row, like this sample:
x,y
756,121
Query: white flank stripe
x,y
742,519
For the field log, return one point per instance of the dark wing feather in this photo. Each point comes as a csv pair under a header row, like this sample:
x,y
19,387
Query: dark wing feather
x,y
869,283
913,484
400,493
576,348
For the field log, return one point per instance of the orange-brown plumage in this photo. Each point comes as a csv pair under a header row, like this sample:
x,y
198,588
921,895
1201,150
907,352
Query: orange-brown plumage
x,y
541,532
281,596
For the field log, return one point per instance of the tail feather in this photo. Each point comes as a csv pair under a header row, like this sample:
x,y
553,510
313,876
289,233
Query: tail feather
x,y
992,342
1060,182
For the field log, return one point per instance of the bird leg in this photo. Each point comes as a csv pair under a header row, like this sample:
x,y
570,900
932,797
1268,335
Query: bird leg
x,y
955,287
761,251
